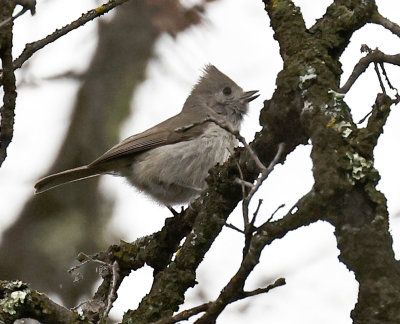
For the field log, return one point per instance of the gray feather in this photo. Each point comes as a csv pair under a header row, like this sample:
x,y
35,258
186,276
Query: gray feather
x,y
60,178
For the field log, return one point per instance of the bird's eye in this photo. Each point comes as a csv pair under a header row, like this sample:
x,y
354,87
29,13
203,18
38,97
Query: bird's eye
x,y
227,91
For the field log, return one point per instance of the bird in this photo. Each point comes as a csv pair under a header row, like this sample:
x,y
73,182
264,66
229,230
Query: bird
x,y
170,161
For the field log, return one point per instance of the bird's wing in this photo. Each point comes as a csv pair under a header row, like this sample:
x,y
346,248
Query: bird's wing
x,y
168,132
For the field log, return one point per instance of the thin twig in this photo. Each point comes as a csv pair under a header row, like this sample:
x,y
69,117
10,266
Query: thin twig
x,y
264,174
114,269
273,214
72,269
244,183
364,118
375,56
387,78
253,220
112,295
379,77
279,282
231,226
32,48
186,314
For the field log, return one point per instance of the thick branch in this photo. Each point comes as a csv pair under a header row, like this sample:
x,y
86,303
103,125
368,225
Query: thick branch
x,y
288,24
17,301
367,137
341,20
155,250
380,20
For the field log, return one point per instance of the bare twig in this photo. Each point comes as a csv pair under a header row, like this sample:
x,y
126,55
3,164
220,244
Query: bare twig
x,y
387,78
231,226
32,48
276,210
375,56
364,118
241,180
186,314
264,174
379,77
365,48
278,283
113,291
253,220
244,183
111,296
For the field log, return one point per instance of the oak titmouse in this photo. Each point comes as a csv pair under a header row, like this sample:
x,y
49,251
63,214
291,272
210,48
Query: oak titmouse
x,y
170,161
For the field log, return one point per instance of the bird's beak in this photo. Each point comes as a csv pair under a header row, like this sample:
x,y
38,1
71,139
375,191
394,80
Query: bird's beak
x,y
250,95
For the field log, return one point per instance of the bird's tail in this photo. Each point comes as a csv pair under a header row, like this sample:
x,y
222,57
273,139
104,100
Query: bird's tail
x,y
63,177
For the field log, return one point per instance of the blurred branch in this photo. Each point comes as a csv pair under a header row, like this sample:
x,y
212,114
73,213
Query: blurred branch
x,y
10,94
32,48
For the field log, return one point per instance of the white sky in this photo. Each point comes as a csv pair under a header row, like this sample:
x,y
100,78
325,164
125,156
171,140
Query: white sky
x,y
319,289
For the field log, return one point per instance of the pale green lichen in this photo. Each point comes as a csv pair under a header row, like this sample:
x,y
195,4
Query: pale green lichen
x,y
360,165
378,220
13,285
16,298
337,99
336,95
310,75
308,106
342,127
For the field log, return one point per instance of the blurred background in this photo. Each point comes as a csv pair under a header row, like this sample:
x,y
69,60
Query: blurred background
x,y
128,70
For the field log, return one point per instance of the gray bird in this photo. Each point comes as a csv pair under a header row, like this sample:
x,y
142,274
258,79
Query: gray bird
x,y
171,160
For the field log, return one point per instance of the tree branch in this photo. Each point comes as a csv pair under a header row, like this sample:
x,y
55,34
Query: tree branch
x,y
266,234
375,56
32,48
186,314
17,300
367,137
26,5
10,94
386,23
